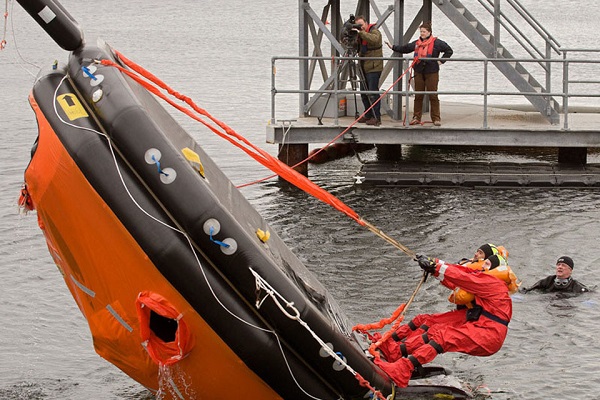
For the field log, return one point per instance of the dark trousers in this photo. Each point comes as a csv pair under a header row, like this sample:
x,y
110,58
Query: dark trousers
x,y
371,83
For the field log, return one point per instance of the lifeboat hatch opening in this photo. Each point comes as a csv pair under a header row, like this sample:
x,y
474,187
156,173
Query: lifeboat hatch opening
x,y
164,328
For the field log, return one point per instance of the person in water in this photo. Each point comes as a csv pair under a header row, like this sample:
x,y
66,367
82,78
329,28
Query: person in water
x,y
478,329
482,253
426,72
562,281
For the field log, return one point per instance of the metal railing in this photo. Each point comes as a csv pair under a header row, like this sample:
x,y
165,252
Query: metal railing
x,y
338,88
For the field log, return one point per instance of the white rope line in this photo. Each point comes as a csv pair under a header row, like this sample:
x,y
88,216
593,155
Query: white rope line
x,y
188,240
276,296
14,38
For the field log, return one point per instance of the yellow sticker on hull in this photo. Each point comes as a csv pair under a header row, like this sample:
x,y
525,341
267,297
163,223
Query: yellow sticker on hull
x,y
71,106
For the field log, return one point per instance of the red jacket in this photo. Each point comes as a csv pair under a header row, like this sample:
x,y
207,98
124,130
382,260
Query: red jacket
x,y
490,292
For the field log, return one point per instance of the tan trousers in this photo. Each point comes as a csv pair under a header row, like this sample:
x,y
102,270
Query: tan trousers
x,y
427,82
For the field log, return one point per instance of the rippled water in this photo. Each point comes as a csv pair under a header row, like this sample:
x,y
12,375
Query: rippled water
x,y
219,54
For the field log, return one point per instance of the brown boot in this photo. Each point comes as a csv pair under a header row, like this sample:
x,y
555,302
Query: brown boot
x,y
362,119
374,121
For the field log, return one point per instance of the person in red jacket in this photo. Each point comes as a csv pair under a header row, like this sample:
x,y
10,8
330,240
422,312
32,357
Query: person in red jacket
x,y
479,330
426,72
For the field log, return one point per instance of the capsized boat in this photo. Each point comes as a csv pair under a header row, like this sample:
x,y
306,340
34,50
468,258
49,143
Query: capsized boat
x,y
184,285
175,272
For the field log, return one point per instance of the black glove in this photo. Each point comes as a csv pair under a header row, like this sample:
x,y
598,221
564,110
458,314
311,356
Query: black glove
x,y
427,264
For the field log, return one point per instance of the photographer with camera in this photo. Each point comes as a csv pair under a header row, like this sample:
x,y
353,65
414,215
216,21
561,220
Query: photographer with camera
x,y
369,44
426,73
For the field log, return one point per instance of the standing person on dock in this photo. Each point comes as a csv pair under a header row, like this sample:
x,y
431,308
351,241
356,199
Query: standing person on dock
x,y
426,72
562,281
370,45
479,330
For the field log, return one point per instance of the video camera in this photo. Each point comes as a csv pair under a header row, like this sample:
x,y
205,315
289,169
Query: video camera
x,y
349,37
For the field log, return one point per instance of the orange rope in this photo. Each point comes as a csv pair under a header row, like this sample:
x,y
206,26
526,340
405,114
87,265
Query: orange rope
x,y
266,159
397,316
343,132
260,155
365,383
233,137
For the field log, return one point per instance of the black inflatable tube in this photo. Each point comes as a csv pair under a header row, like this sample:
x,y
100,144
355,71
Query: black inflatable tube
x,y
172,256
56,21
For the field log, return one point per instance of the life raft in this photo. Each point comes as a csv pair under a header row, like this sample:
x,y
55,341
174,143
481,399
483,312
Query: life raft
x,y
161,252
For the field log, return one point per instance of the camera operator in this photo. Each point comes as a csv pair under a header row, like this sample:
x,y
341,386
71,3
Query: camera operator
x,y
370,45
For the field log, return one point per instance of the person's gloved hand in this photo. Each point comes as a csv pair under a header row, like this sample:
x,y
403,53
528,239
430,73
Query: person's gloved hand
x,y
427,264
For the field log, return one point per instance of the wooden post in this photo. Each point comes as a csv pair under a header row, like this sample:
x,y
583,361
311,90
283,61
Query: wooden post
x,y
572,155
389,152
292,154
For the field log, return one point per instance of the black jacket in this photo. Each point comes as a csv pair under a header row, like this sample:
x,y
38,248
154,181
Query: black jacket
x,y
427,66
547,285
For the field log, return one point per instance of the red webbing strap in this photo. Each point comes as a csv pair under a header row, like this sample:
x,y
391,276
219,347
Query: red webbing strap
x,y
234,138
260,155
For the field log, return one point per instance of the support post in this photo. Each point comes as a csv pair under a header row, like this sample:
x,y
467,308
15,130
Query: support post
x,y
572,155
398,40
303,19
389,152
292,154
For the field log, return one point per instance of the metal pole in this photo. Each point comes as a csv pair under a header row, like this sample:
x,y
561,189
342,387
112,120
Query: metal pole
x,y
407,87
565,90
398,37
303,52
496,27
273,91
485,94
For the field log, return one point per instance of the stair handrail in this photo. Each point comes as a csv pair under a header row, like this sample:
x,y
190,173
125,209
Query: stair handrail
x,y
543,32
548,38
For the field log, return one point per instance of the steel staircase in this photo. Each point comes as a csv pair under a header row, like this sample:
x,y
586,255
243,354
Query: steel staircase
x,y
515,71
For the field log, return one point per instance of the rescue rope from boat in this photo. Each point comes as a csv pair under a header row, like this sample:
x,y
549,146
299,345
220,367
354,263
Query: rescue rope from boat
x,y
294,313
154,85
396,318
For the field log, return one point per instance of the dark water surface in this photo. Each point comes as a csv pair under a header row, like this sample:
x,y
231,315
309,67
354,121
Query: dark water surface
x,y
219,54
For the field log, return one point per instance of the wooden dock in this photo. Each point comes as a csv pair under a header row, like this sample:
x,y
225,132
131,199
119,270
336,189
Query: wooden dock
x,y
462,125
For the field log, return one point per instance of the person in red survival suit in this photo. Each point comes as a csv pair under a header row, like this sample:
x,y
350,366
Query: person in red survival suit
x,y
478,331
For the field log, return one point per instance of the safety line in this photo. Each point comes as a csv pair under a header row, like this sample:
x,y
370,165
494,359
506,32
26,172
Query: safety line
x,y
339,135
262,283
149,80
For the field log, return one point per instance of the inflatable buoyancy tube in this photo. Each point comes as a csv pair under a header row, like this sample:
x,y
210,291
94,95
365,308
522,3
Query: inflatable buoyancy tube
x,y
56,21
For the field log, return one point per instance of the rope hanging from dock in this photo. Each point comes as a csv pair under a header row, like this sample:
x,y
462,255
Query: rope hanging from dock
x,y
154,85
313,155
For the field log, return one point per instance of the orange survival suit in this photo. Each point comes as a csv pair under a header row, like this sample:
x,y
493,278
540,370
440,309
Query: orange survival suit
x,y
478,331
